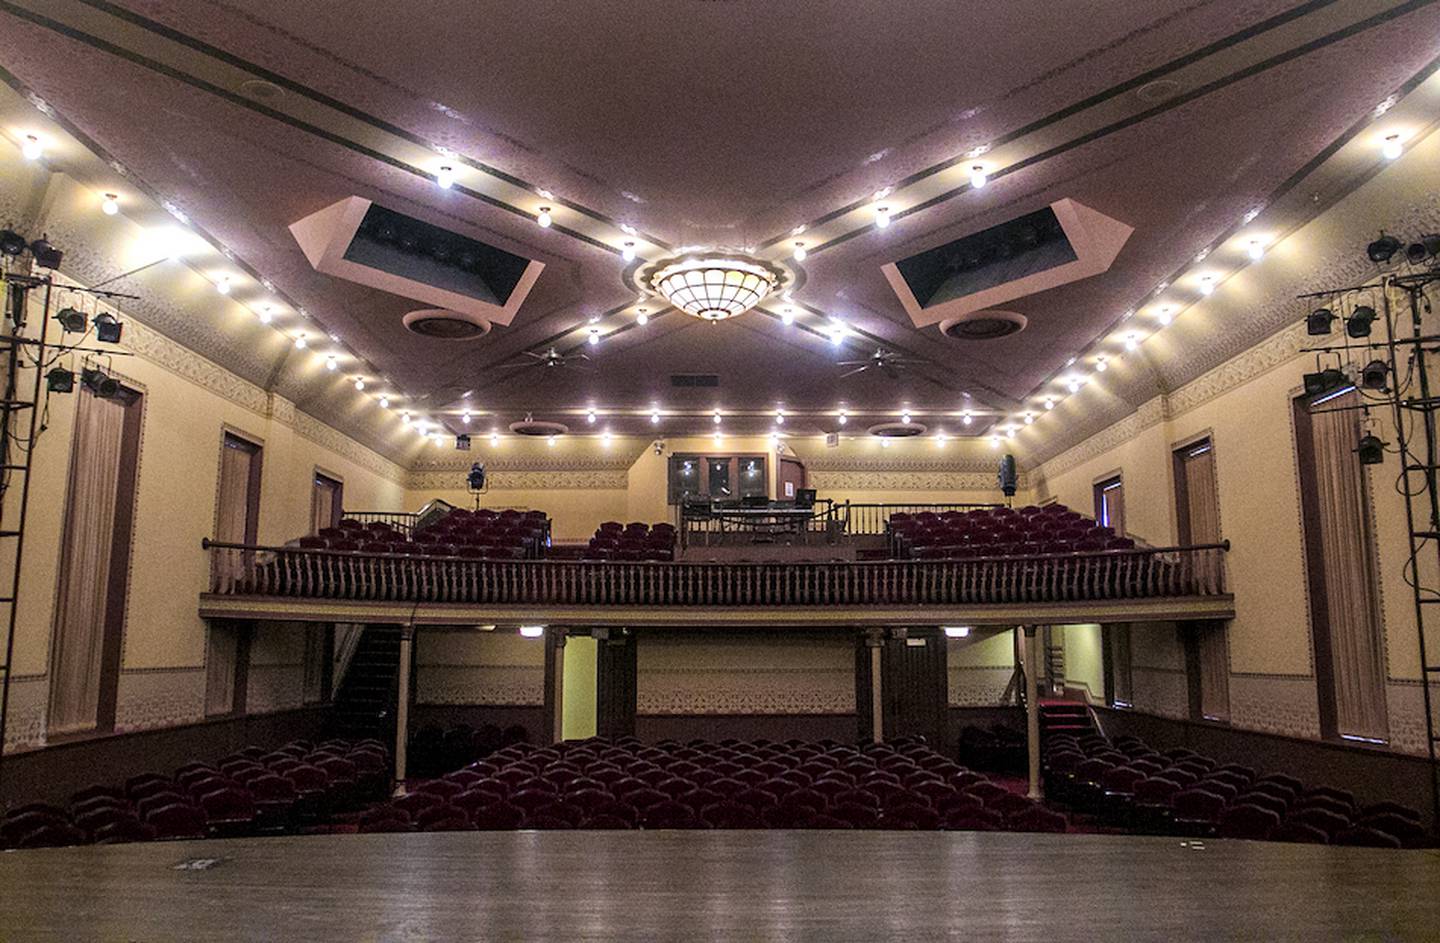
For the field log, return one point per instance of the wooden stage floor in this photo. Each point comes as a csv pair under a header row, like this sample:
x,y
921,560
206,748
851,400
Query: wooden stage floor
x,y
718,885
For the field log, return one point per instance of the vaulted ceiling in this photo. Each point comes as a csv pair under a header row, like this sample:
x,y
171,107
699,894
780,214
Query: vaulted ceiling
x,y
716,123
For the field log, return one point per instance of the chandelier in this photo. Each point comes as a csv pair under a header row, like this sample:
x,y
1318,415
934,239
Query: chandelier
x,y
714,287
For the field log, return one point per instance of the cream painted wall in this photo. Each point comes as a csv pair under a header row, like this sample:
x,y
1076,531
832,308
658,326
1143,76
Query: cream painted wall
x,y
685,674
498,668
1084,664
979,667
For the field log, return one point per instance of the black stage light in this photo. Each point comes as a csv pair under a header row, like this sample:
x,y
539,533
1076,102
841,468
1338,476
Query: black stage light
x,y
1383,249
11,242
108,328
1318,322
1359,321
1427,247
1323,381
1374,375
475,480
46,255
60,380
462,443
99,383
72,321
1371,450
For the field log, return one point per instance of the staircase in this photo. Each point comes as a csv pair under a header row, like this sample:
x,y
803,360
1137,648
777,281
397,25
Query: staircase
x,y
365,702
1065,717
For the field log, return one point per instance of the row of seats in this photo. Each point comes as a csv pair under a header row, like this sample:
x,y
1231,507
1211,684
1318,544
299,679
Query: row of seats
x,y
433,749
620,784
248,792
631,542
1129,784
999,532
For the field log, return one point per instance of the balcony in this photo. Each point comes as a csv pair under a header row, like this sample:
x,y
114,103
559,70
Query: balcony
x,y
1142,584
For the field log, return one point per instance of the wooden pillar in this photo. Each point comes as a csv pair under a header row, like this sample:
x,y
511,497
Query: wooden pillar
x,y
1032,659
555,683
402,703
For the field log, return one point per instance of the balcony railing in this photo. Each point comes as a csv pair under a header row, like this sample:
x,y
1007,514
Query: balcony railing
x,y
241,570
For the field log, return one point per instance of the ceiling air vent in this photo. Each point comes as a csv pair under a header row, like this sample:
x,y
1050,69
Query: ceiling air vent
x,y
445,325
538,428
984,325
897,430
695,380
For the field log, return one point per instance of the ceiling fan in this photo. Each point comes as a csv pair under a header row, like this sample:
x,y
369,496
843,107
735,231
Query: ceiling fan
x,y
886,361
551,359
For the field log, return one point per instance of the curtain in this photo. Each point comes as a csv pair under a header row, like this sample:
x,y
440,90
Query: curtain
x,y
81,609
220,664
1120,664
1356,648
1202,510
232,516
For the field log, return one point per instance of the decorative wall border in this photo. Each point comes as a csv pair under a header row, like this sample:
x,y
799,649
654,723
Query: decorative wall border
x,y
539,480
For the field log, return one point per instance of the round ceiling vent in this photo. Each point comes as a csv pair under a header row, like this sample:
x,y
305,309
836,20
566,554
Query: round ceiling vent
x,y
1152,93
261,90
984,325
445,325
538,428
897,430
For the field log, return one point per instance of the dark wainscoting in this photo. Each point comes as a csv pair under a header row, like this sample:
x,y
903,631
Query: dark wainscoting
x,y
446,715
778,727
1372,774
52,773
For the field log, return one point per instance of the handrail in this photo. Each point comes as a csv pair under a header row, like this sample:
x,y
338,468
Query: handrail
x,y
252,569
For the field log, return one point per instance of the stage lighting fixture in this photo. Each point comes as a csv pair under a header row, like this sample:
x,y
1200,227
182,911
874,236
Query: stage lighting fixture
x,y
60,380
462,443
72,321
108,328
1375,374
98,383
1383,249
45,255
1318,322
1426,247
1323,381
1371,450
11,242
1359,321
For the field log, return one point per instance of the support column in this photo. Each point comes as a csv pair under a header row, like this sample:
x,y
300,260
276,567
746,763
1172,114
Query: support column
x,y
1031,651
402,705
875,642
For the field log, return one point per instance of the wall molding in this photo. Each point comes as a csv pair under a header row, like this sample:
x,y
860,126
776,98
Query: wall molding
x,y
900,480
535,480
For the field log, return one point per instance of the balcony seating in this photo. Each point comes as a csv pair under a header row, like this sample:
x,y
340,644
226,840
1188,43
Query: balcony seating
x,y
631,542
998,532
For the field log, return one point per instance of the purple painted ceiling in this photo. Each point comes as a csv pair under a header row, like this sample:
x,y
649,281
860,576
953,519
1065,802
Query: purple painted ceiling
x,y
726,123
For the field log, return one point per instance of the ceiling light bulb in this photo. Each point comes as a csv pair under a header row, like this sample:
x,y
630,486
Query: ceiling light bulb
x,y
1010,432
905,417
31,148
1049,402
331,363
605,436
642,317
940,439
384,402
110,205
543,217
1392,148
1256,250
223,285
844,418
1207,284
882,217
717,418
532,631
655,418
787,316
1132,341
266,315
837,335
359,384
1073,386
967,418
594,336
800,252
627,251
494,438
884,443
978,178
994,441
779,418
465,417
1164,316
719,437
590,417
445,177
957,631
550,441
1029,418
1101,364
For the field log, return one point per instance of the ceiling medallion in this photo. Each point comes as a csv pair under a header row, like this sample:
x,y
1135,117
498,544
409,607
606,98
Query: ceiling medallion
x,y
713,286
